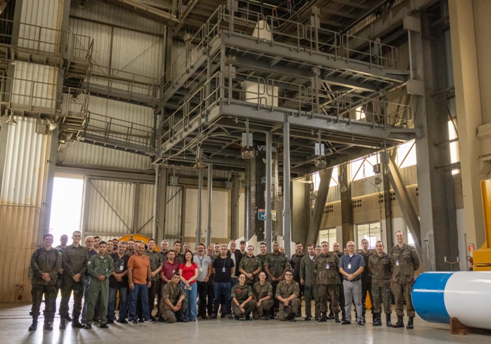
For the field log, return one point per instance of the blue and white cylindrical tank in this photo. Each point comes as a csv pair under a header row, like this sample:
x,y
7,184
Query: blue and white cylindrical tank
x,y
439,296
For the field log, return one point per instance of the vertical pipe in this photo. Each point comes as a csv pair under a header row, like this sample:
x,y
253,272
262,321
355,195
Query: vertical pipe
x,y
136,210
210,190
268,226
287,215
198,217
155,202
247,199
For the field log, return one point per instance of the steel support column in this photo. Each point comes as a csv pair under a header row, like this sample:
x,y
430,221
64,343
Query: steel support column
x,y
160,215
235,195
404,200
348,233
320,203
287,212
436,207
198,215
136,209
268,225
210,191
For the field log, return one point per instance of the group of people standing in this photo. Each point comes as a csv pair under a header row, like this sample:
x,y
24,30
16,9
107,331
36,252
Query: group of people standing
x,y
218,280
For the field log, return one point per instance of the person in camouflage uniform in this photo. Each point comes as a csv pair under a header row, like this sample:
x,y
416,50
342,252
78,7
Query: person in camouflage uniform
x,y
263,256
328,281
74,264
307,279
366,279
295,265
156,261
177,249
100,268
242,299
45,266
276,266
380,266
405,261
287,294
263,294
173,305
250,266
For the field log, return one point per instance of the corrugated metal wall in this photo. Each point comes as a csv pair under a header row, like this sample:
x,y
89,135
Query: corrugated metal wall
x,y
174,208
138,53
146,208
21,203
99,11
111,207
78,153
102,40
34,85
41,13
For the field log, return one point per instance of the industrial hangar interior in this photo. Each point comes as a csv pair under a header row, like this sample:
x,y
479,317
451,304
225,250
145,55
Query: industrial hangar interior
x,y
263,121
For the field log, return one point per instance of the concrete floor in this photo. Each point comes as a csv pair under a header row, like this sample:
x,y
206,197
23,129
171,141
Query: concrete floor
x,y
15,319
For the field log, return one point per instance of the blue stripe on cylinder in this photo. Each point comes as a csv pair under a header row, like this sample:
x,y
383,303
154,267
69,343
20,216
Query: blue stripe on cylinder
x,y
428,299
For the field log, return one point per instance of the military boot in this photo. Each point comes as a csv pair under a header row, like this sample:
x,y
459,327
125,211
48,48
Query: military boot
x,y
377,321
410,323
387,320
399,323
336,319
63,324
34,324
48,326
323,317
76,323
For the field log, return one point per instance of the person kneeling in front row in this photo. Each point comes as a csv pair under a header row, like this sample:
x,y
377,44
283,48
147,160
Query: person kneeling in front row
x,y
173,305
287,293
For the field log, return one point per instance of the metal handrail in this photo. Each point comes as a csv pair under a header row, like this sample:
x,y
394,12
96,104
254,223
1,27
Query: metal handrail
x,y
318,40
50,41
270,92
33,95
124,80
119,130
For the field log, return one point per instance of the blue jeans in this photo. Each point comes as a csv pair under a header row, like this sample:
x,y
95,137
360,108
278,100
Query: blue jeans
x,y
222,292
123,297
191,297
140,292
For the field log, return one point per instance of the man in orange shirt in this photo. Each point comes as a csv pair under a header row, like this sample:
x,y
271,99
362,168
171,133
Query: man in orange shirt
x,y
139,275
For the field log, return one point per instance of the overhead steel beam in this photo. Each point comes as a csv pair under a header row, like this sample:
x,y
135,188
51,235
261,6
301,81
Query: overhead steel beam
x,y
404,200
323,122
296,73
185,14
363,69
320,203
145,11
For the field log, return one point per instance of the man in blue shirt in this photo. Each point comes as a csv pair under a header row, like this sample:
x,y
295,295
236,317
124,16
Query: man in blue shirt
x,y
351,266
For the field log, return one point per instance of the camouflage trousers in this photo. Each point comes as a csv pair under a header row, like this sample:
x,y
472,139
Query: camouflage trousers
x,y
310,293
265,306
330,292
49,292
402,291
169,315
248,307
291,309
381,295
68,285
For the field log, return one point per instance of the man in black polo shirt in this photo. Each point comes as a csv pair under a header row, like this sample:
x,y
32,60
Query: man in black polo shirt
x,y
351,266
223,267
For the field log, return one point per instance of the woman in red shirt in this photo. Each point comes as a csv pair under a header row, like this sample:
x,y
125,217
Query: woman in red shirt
x,y
189,272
